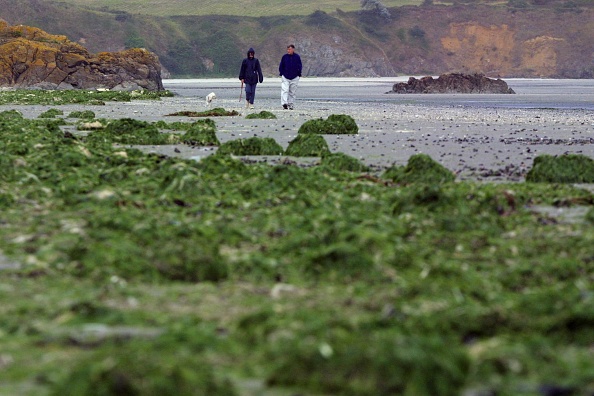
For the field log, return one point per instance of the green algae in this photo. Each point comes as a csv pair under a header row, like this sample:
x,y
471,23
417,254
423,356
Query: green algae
x,y
251,146
62,97
307,145
420,169
335,124
84,114
201,134
216,112
263,115
142,368
343,162
184,126
380,363
130,131
51,113
316,279
571,168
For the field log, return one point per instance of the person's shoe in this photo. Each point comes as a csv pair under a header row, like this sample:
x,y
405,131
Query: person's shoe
x,y
291,107
285,107
247,104
252,106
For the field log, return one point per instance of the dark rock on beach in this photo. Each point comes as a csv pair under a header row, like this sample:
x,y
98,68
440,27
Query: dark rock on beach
x,y
32,58
453,83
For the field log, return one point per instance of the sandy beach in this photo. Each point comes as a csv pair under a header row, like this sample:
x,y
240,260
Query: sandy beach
x,y
483,137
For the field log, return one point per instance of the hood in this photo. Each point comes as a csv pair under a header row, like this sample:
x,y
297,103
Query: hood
x,y
251,50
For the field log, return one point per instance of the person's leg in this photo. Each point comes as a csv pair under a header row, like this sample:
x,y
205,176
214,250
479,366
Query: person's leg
x,y
284,91
253,93
292,91
249,92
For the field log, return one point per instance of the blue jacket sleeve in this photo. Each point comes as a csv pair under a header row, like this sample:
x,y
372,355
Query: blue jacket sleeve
x,y
242,70
260,75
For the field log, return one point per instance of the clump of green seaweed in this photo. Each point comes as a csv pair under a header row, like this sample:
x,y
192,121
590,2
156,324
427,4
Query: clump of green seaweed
x,y
420,169
216,112
51,113
571,168
83,114
263,115
74,96
307,145
343,162
130,131
201,133
380,363
142,368
335,124
184,126
251,146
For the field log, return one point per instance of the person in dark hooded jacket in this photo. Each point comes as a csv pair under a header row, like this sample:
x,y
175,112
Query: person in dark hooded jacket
x,y
250,74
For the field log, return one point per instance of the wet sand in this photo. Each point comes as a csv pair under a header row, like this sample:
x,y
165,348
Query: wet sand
x,y
482,137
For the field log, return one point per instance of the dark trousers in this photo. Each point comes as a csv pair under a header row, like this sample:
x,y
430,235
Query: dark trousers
x,y
250,92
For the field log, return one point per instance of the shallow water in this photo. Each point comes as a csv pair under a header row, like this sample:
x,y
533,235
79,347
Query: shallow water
x,y
530,93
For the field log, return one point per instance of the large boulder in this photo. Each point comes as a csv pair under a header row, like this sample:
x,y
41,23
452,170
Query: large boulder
x,y
454,83
32,58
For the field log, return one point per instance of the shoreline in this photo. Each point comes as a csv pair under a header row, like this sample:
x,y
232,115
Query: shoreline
x,y
477,137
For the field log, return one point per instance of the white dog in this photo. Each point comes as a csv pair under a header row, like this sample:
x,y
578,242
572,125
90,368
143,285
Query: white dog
x,y
209,98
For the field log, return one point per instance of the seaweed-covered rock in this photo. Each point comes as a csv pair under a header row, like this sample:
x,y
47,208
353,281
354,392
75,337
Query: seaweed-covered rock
x,y
184,126
335,124
420,169
84,114
391,364
201,134
307,145
51,113
216,112
141,368
130,131
220,164
453,83
571,168
30,57
251,146
263,115
343,162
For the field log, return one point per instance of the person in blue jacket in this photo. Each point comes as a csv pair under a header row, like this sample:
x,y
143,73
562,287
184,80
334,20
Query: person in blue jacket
x,y
250,74
290,72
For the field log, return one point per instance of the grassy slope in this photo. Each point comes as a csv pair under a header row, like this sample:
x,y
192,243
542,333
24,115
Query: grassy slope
x,y
230,7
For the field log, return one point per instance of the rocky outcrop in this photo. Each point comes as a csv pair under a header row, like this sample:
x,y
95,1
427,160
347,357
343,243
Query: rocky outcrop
x,y
453,83
32,58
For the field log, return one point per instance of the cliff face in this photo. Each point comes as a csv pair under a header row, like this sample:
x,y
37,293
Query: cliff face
x,y
30,57
430,40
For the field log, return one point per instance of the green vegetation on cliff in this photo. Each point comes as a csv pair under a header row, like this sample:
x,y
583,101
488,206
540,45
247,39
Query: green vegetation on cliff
x,y
337,37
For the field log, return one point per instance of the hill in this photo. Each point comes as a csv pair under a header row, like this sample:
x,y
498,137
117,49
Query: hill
x,y
251,8
521,38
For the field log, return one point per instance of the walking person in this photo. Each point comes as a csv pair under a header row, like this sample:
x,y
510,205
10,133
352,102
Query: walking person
x,y
290,72
250,74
